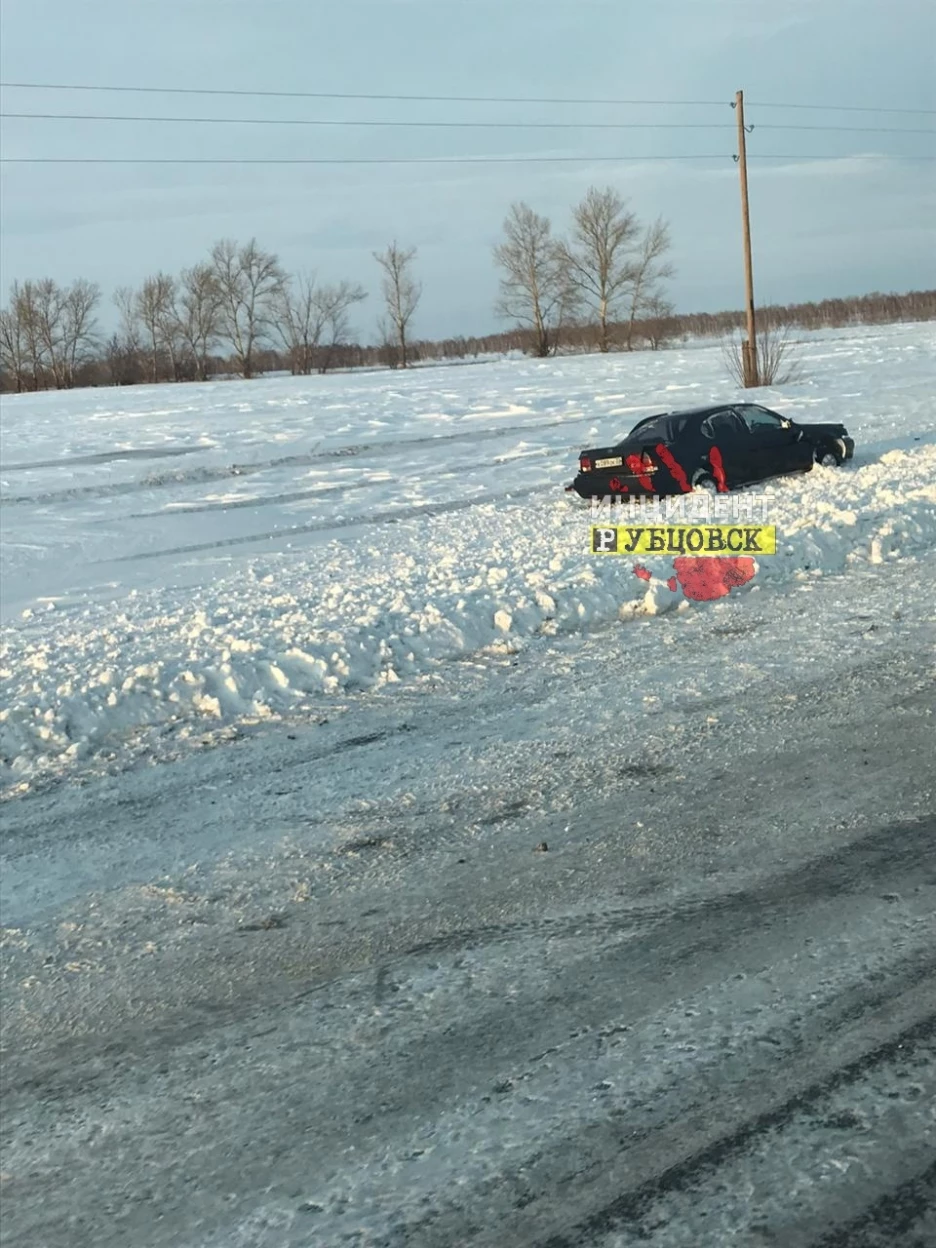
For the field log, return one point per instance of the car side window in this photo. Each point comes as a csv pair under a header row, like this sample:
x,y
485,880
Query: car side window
x,y
759,419
722,426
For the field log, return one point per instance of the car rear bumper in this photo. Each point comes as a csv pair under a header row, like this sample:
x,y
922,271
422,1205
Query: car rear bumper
x,y
610,485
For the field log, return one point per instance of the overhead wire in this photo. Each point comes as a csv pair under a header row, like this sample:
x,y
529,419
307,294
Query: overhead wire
x,y
384,123
457,125
437,160
448,99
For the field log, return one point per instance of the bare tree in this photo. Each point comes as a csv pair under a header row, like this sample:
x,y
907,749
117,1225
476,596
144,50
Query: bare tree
x,y
124,351
23,306
199,314
648,270
536,290
249,281
48,314
14,347
658,323
401,293
388,348
335,304
121,361
299,321
156,310
775,367
47,332
79,327
125,301
598,256
312,321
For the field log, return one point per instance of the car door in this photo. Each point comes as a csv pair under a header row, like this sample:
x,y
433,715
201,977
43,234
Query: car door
x,y
774,445
726,441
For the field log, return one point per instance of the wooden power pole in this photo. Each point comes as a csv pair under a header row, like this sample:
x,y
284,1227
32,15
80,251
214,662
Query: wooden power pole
x,y
749,347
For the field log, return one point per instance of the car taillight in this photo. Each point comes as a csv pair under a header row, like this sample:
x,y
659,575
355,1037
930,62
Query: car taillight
x,y
585,463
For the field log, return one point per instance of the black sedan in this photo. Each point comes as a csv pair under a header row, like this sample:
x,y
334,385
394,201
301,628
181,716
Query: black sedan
x,y
714,448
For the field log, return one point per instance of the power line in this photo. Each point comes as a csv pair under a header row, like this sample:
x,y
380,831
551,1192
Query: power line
x,y
338,160
349,95
460,125
771,125
449,99
844,108
423,125
430,160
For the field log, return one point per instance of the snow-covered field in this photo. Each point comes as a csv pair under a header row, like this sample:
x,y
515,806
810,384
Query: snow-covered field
x,y
312,987
177,560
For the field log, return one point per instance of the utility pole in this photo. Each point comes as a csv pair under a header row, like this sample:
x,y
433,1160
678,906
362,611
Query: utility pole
x,y
749,347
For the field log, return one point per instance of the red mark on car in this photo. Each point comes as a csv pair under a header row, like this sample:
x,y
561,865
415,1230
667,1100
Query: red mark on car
x,y
675,468
644,573
718,467
638,467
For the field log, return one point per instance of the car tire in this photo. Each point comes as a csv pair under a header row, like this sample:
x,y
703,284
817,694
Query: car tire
x,y
704,482
831,454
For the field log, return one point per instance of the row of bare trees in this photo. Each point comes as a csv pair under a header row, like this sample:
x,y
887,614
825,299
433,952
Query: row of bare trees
x,y
47,332
239,311
241,304
231,311
607,274
240,299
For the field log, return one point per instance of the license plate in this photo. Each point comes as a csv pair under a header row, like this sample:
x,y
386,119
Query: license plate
x,y
615,462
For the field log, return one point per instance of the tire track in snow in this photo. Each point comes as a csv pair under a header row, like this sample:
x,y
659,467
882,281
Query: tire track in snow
x,y
109,457
719,920
841,1045
634,1206
890,1219
199,476
390,516
292,496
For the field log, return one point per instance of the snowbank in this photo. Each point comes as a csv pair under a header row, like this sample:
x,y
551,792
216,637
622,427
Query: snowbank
x,y
200,637
355,617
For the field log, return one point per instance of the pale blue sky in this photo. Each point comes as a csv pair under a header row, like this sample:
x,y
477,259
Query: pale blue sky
x,y
842,225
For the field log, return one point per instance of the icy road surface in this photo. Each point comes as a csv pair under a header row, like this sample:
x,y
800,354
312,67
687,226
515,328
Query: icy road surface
x,y
318,987
426,883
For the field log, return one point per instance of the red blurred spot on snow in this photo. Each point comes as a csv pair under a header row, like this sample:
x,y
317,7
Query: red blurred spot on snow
x,y
704,579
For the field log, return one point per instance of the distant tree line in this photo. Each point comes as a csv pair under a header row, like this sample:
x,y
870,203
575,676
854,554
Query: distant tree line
x,y
655,330
238,312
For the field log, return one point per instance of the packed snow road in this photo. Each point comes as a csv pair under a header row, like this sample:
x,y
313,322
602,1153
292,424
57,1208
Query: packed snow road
x,y
522,962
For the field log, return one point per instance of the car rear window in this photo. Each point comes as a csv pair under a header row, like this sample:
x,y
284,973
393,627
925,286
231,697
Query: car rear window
x,y
722,424
659,428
